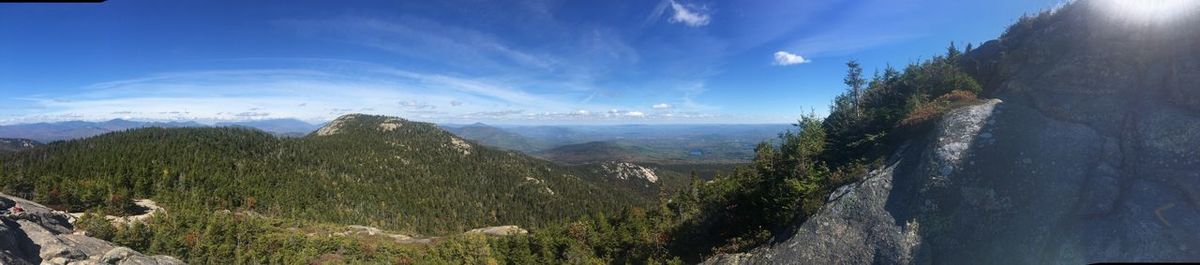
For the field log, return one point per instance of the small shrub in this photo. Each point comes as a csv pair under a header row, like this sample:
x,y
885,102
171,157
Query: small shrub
x,y
960,96
96,226
925,112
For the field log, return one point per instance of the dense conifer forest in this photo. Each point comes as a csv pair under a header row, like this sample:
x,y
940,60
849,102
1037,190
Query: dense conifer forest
x,y
413,178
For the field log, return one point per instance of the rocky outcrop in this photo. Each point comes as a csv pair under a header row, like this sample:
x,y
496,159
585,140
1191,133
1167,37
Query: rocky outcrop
x,y
626,171
860,224
1090,157
504,230
461,145
367,231
334,126
39,235
151,208
16,144
391,124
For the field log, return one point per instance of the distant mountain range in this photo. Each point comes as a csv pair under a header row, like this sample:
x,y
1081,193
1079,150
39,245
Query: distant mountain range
x,y
497,137
57,131
283,127
661,144
579,144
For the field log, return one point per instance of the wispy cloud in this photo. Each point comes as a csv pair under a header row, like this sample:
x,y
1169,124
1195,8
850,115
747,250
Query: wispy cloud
x,y
410,104
425,39
312,95
576,65
688,15
866,25
831,44
252,114
787,58
493,114
662,106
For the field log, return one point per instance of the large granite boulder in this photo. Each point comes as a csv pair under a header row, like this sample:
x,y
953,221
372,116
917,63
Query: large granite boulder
x,y
40,235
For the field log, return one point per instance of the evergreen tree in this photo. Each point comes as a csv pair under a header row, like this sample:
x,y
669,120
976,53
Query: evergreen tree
x,y
854,81
952,51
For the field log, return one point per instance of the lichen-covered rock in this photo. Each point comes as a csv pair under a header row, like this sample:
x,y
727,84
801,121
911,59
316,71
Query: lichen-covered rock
x,y
39,235
126,256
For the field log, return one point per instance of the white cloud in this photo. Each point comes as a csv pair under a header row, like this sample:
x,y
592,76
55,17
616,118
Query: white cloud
x,y
662,106
787,58
694,17
417,105
243,114
635,114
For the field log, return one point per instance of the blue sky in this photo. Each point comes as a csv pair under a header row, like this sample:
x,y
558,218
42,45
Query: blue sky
x,y
514,62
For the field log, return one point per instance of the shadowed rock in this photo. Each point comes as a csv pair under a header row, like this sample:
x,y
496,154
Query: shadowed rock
x,y
40,235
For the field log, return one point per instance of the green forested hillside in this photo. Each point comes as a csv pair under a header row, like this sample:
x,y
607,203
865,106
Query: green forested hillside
x,y
368,170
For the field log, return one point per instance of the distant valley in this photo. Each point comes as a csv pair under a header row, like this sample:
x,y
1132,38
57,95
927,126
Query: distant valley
x,y
660,144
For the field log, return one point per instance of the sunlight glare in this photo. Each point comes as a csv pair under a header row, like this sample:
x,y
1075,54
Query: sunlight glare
x,y
1149,10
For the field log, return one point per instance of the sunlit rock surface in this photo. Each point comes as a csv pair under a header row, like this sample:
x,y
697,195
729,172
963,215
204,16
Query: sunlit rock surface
x,y
39,235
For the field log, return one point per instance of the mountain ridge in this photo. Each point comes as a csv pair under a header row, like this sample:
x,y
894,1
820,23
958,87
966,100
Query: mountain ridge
x,y
68,130
368,154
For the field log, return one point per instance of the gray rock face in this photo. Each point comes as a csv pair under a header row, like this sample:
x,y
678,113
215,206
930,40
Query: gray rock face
x,y
504,230
862,223
1001,183
856,230
40,235
1093,156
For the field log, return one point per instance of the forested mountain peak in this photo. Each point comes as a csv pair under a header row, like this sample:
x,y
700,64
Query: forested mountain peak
x,y
380,171
395,132
365,122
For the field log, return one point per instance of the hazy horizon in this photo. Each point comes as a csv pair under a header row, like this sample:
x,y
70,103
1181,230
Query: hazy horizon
x,y
450,123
